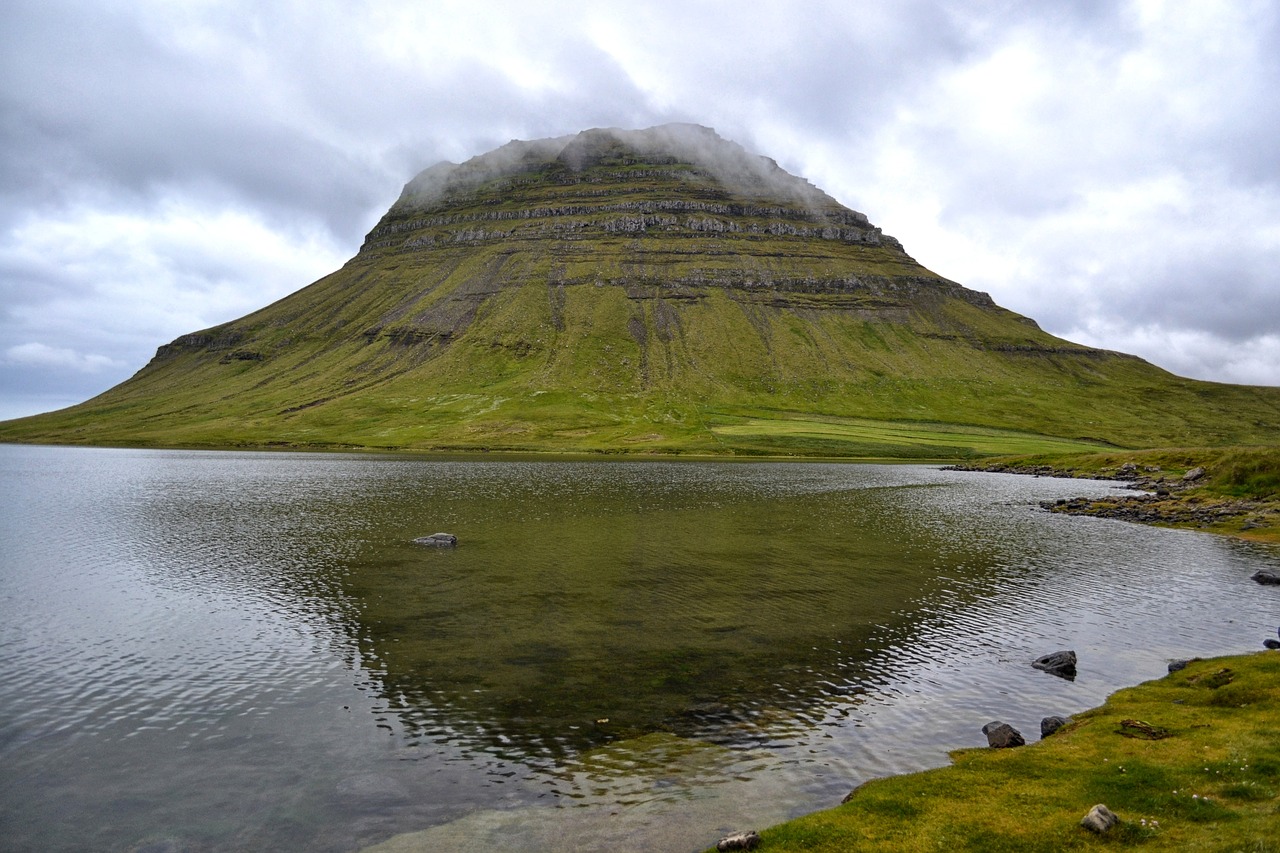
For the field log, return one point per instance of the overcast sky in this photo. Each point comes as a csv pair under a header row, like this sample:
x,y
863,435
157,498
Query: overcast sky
x,y
1111,169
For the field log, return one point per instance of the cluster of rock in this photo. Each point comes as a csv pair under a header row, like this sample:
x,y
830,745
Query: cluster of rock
x,y
638,224
556,211
1099,819
1162,503
1128,472
1001,735
1155,509
1140,477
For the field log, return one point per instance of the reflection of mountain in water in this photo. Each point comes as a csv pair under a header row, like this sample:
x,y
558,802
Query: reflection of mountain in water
x,y
595,602
588,602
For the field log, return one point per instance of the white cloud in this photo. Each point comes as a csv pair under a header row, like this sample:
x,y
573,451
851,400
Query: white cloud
x,y
95,290
1192,353
175,264
43,355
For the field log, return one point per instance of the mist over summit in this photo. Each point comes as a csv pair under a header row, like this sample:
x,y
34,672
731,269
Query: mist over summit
x,y
726,163
659,290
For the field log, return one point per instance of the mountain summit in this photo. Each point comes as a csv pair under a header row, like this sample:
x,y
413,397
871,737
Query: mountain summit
x,y
659,289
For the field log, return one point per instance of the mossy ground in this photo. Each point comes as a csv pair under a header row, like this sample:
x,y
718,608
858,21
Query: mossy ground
x,y
1212,784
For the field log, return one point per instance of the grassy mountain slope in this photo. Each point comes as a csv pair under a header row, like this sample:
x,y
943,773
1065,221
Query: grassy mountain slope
x,y
645,290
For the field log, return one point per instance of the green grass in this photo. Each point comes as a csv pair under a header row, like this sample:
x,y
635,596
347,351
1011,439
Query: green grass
x,y
898,439
1212,785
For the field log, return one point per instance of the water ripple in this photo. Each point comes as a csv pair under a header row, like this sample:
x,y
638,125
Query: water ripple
x,y
658,646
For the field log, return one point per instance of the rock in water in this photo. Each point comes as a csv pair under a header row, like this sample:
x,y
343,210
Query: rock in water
x,y
1049,725
438,540
1271,644
1061,664
739,841
1002,735
1266,576
1099,819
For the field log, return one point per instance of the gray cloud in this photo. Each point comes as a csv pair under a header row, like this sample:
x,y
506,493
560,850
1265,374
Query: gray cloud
x,y
1111,169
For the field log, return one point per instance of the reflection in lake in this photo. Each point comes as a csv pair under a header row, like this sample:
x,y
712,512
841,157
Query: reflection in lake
x,y
245,650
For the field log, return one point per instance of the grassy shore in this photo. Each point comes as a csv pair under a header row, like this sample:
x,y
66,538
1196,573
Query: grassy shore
x,y
1203,773
1228,490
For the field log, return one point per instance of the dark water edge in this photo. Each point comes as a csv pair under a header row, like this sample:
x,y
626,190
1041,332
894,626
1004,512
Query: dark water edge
x,y
217,651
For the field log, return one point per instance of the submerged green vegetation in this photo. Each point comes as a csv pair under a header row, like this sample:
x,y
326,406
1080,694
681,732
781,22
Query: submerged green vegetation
x,y
1202,772
655,291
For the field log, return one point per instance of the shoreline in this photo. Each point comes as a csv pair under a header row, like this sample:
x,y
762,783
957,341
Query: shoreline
x,y
1189,495
1004,798
1186,761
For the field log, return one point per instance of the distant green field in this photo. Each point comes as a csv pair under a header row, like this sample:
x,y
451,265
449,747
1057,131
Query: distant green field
x,y
890,439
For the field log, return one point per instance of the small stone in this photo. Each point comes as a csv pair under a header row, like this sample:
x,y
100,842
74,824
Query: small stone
x,y
1049,725
1099,819
739,841
1266,576
1193,474
1271,644
1175,665
1002,735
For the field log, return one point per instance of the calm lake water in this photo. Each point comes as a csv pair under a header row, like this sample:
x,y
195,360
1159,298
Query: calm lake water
x,y
215,651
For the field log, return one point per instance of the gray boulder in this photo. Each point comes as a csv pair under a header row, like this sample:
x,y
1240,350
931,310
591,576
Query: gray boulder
x,y
438,540
1049,725
1193,475
1002,735
1061,664
1099,819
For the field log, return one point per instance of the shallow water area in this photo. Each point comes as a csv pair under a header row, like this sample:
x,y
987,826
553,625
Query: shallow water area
x,y
221,651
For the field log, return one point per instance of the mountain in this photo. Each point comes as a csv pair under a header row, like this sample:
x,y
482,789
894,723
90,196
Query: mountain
x,y
651,290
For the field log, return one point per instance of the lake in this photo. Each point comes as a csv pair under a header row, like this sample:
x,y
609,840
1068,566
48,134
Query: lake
x,y
210,651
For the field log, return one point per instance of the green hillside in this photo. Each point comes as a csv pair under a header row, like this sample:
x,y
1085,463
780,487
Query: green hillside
x,y
642,291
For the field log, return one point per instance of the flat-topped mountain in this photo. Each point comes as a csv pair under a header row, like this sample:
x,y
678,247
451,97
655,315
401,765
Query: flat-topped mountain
x,y
660,289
